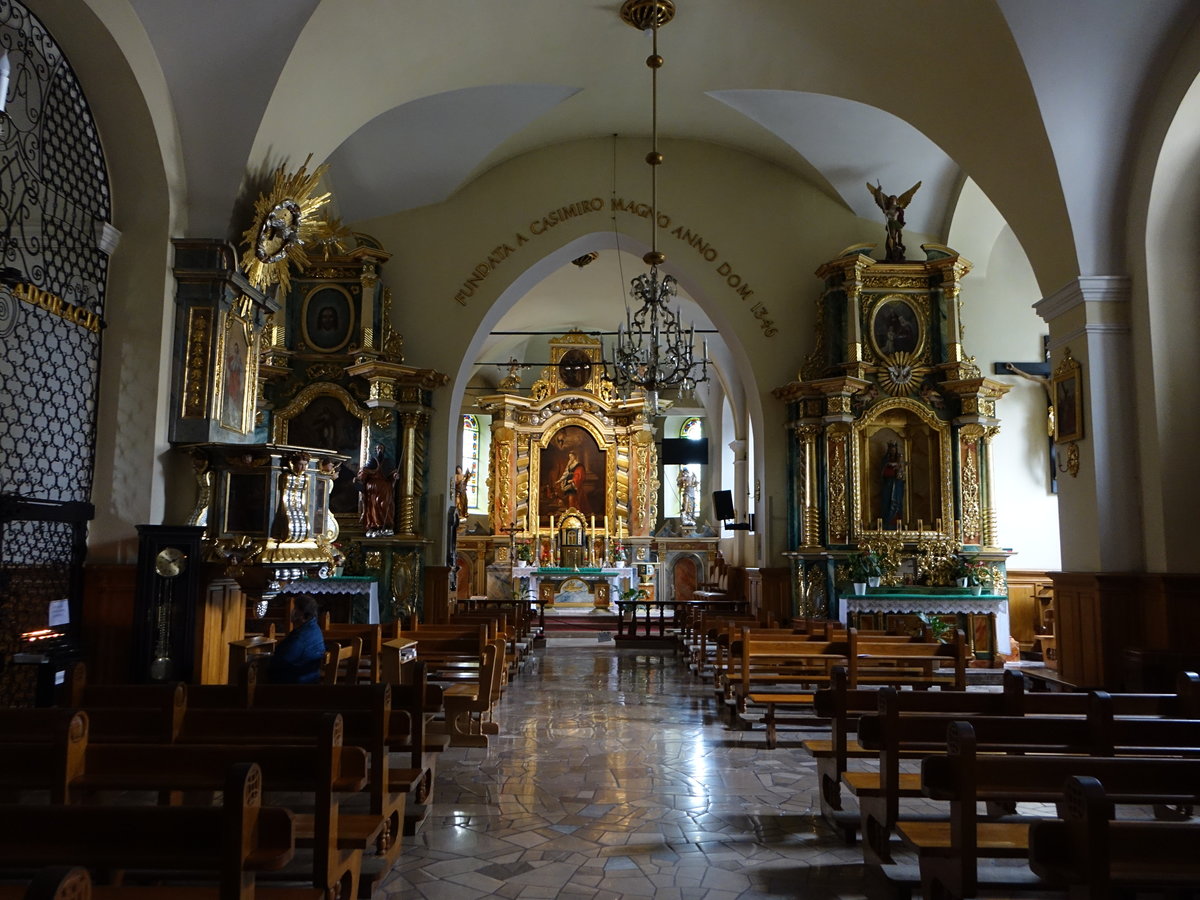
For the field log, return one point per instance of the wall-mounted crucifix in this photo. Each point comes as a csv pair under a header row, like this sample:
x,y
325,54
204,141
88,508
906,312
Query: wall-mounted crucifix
x,y
1038,372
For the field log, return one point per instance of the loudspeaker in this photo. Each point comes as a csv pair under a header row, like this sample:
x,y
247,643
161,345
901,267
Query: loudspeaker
x,y
723,505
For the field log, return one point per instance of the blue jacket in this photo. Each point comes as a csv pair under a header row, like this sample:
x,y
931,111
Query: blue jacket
x,y
298,657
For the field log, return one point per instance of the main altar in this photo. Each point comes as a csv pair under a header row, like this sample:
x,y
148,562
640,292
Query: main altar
x,y
890,424
593,587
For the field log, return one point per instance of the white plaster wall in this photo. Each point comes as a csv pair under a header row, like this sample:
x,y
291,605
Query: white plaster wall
x,y
770,229
1001,326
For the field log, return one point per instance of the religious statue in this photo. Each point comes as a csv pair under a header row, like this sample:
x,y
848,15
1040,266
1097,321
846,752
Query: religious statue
x,y
379,498
512,381
893,209
688,485
461,480
891,487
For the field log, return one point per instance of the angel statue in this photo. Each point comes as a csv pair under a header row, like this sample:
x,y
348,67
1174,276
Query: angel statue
x,y
513,381
893,209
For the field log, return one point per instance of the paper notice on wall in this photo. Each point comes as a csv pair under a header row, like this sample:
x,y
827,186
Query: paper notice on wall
x,y
60,613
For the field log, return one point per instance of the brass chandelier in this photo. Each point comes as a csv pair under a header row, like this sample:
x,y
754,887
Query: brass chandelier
x,y
653,353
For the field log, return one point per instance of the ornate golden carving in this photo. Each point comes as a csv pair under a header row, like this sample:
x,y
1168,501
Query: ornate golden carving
x,y
195,382
814,364
324,372
972,516
204,489
838,515
1072,467
540,390
934,557
889,547
839,404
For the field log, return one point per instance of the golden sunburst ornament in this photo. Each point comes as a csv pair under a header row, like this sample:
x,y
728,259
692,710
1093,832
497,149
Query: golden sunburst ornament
x,y
902,374
284,224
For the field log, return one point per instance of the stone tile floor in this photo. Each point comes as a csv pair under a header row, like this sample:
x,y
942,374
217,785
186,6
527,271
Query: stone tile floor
x,y
613,776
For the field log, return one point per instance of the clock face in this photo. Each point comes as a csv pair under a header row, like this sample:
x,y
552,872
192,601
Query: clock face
x,y
575,368
170,562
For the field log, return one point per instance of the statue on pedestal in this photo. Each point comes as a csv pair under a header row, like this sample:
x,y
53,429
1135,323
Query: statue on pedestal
x,y
893,208
379,497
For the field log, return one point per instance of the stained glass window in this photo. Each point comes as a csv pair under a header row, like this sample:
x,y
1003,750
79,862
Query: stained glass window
x,y
470,459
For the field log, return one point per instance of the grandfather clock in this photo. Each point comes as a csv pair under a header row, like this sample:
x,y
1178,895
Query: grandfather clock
x,y
168,594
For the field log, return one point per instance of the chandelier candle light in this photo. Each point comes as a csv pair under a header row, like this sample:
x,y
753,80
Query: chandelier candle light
x,y
653,353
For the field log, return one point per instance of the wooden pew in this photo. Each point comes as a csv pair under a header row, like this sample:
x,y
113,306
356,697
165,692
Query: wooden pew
x,y
321,770
371,638
1098,857
914,663
42,749
468,705
891,734
842,705
405,733
782,662
52,883
949,851
450,652
227,844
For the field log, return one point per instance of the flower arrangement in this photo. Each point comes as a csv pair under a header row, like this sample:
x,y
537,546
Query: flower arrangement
x,y
975,571
524,552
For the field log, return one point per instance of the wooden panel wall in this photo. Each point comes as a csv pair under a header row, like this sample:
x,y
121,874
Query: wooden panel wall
x,y
108,622
221,619
1028,593
768,590
1102,616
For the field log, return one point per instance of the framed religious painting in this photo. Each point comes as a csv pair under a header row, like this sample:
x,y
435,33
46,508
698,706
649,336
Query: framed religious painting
x,y
327,318
896,326
237,373
1068,399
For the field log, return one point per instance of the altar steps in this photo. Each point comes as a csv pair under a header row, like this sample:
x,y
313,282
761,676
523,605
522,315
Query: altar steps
x,y
586,622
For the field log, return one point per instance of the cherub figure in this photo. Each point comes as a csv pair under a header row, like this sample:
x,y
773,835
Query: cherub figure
x,y
893,208
513,379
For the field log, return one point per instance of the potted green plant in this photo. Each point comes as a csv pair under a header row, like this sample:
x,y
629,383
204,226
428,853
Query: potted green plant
x,y
939,629
864,570
524,553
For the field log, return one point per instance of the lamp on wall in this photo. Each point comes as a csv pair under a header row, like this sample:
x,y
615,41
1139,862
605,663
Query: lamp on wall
x,y
653,352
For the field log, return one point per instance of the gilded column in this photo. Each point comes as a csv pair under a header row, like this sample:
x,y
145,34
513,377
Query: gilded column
x,y
500,466
989,509
971,525
412,427
838,450
806,480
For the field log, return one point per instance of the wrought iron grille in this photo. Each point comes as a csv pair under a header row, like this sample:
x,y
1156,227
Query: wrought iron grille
x,y
54,203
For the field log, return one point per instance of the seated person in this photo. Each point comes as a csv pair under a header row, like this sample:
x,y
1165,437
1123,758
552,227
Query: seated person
x,y
299,656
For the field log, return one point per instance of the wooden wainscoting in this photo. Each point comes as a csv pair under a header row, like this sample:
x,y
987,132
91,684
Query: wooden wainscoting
x,y
107,632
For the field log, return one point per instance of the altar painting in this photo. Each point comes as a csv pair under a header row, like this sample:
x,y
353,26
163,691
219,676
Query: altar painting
x,y
572,474
325,423
902,472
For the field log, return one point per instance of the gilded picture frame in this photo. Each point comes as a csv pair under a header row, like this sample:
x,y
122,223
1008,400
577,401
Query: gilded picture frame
x,y
237,375
327,318
1067,384
897,325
